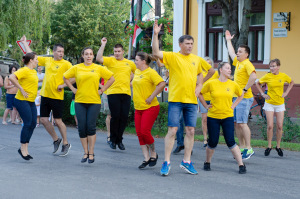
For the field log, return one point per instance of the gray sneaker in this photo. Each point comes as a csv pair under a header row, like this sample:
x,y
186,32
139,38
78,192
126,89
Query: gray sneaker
x,y
56,144
65,149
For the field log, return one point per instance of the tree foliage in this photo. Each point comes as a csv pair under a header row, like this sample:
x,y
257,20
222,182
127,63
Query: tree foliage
x,y
78,24
29,17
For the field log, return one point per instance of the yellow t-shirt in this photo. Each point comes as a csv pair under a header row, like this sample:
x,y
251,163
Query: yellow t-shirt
x,y
275,85
54,71
29,80
144,83
215,76
242,73
87,81
221,97
183,71
122,70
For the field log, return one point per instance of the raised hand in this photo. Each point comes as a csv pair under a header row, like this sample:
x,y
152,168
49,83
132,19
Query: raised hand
x,y
156,27
228,36
103,41
23,39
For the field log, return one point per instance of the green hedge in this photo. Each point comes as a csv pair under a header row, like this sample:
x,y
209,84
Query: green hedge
x,y
161,122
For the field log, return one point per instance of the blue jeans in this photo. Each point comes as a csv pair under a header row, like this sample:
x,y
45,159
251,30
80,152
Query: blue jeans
x,y
179,133
87,115
241,111
189,112
213,128
27,111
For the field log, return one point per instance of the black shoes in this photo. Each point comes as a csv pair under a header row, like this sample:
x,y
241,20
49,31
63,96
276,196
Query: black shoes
x,y
24,157
267,151
90,161
144,164
112,145
206,166
152,161
279,151
178,149
121,146
83,160
242,169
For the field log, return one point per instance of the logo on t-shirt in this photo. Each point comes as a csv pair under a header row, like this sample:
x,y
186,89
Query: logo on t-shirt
x,y
56,66
280,80
141,76
92,70
194,63
228,89
126,64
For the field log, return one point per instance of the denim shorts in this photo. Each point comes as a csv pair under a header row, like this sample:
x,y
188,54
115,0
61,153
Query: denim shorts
x,y
202,108
274,108
10,101
189,112
241,111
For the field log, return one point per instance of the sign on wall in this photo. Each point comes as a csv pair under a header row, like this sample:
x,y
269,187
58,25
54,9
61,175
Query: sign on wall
x,y
279,32
279,18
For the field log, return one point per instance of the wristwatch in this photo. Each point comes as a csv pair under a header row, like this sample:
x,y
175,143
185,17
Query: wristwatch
x,y
245,90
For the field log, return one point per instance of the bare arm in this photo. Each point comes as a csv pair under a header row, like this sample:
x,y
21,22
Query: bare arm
x,y
159,88
251,80
14,80
1,81
109,82
258,86
155,44
237,101
210,73
288,89
24,42
60,87
203,102
99,57
6,81
230,48
70,85
199,84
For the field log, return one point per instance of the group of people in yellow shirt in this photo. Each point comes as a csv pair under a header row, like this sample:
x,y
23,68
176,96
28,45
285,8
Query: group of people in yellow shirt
x,y
185,85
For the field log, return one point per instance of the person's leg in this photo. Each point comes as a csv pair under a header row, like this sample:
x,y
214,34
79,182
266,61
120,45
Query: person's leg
x,y
270,124
114,103
84,143
180,131
138,123
91,119
204,127
14,115
190,119
213,128
279,125
5,116
81,111
125,108
107,121
57,107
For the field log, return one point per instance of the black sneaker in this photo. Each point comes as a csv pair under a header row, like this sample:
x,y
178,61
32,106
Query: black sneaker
x,y
112,145
206,166
178,149
65,149
242,169
267,151
121,146
279,151
56,145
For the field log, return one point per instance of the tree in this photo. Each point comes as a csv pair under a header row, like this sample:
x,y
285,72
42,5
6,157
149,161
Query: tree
x,y
78,24
231,23
28,17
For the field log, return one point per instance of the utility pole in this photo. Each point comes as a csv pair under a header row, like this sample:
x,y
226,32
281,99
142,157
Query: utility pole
x,y
139,7
158,8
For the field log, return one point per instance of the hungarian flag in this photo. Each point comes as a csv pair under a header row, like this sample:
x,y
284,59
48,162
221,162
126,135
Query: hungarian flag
x,y
138,34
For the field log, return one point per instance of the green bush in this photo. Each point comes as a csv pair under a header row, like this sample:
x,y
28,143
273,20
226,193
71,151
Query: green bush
x,y
161,122
67,117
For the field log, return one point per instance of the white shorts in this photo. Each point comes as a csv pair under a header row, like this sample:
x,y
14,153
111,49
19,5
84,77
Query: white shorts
x,y
274,108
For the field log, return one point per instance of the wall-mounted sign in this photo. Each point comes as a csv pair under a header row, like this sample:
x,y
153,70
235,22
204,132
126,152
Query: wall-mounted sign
x,y
279,18
279,32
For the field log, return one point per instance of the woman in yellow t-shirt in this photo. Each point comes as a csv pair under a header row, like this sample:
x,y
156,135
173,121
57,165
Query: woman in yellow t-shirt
x,y
274,101
87,98
147,84
26,80
220,113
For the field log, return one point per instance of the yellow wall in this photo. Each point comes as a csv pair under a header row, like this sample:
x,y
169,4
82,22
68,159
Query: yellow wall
x,y
287,49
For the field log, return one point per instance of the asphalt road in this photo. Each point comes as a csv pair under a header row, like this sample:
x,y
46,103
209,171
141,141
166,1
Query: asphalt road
x,y
115,174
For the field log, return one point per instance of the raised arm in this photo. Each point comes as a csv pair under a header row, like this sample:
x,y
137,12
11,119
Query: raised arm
x,y
230,48
24,42
155,44
159,88
99,57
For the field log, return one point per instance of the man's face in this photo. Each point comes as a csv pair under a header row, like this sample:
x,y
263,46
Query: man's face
x,y
119,53
241,54
39,69
186,46
59,53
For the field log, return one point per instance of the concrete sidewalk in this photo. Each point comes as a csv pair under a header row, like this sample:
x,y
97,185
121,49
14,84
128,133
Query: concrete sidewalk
x,y
115,173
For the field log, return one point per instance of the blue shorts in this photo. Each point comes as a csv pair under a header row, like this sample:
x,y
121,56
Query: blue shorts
x,y
189,112
202,108
10,101
241,111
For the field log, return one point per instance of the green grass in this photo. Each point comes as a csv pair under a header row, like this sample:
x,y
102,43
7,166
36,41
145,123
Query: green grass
x,y
1,111
254,143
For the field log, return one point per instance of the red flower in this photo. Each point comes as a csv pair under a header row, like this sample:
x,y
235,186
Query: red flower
x,y
130,29
169,30
134,19
169,23
167,19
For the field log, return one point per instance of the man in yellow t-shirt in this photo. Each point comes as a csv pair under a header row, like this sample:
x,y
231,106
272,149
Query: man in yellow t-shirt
x,y
244,76
52,93
119,93
185,84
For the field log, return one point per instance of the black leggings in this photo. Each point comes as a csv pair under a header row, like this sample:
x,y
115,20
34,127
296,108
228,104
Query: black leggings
x,y
119,105
87,115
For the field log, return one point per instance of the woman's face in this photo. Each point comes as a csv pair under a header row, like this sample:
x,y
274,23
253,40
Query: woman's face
x,y
138,62
274,68
13,70
88,56
226,70
35,61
